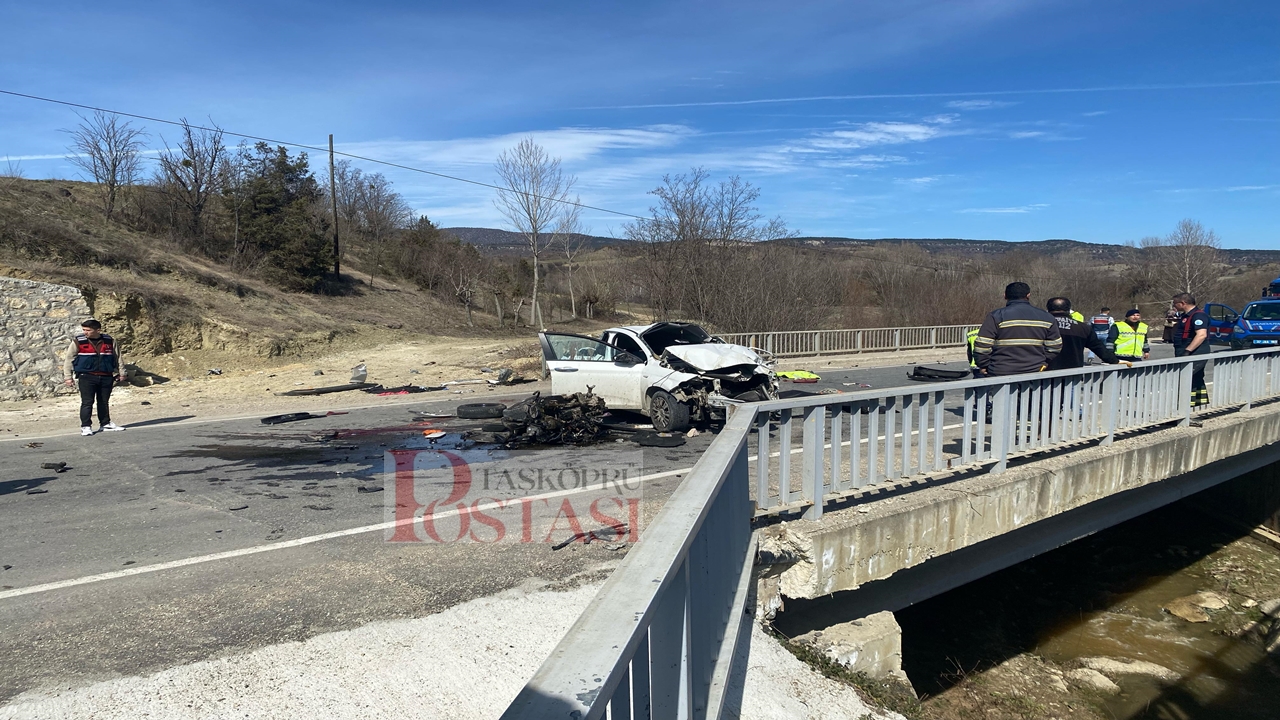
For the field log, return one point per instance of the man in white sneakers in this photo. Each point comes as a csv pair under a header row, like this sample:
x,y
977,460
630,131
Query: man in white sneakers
x,y
94,360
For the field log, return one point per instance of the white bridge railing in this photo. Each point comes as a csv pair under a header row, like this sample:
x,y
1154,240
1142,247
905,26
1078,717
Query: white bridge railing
x,y
798,343
662,638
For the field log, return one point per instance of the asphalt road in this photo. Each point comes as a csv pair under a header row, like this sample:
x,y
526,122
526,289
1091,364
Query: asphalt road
x,y
180,541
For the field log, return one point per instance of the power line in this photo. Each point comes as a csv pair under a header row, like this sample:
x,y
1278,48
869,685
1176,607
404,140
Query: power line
x,y
313,147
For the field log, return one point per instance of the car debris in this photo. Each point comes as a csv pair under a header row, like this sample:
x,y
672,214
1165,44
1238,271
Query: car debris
x,y
675,373
289,417
616,531
480,411
215,371
33,445
54,466
576,419
37,491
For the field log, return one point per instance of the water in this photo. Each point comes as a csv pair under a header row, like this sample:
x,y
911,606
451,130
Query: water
x,y
1104,596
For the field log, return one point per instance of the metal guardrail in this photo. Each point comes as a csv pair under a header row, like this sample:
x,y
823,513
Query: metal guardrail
x,y
660,638
799,343
853,440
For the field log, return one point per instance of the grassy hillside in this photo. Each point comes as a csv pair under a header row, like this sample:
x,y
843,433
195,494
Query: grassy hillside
x,y
158,298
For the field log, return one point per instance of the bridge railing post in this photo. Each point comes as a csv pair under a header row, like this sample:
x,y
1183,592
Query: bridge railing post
x,y
813,462
1248,382
1110,405
1184,393
1001,427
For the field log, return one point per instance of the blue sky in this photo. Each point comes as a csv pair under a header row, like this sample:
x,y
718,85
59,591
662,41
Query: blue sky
x,y
1005,119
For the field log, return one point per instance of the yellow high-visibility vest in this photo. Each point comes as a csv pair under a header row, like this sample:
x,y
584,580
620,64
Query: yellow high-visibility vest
x,y
1130,340
971,337
1075,315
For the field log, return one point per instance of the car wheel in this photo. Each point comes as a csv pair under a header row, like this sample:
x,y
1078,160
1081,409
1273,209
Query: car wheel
x,y
1236,345
480,411
667,413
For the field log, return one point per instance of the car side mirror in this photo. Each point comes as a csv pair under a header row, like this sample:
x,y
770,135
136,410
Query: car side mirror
x,y
627,358
1232,317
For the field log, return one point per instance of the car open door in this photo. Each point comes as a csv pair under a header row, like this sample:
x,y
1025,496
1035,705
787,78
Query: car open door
x,y
578,363
1221,321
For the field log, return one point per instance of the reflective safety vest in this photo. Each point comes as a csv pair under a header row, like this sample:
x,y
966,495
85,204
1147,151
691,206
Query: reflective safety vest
x,y
1129,341
1075,315
97,357
970,338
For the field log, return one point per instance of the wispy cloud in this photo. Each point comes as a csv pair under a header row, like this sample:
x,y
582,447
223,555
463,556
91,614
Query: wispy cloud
x,y
1026,134
892,96
872,134
1096,113
979,104
1249,188
1007,210
917,182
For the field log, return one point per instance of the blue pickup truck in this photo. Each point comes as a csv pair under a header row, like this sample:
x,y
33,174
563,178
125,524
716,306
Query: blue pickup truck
x,y
1258,325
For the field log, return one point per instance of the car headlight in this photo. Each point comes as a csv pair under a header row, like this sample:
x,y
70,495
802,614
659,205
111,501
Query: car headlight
x,y
1237,330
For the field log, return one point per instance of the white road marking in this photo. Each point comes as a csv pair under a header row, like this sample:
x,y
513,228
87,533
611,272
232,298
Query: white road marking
x,y
282,545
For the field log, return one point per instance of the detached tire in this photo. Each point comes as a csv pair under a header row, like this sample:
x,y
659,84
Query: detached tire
x,y
667,413
480,411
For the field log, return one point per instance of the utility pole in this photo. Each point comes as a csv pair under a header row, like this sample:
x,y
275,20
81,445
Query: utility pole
x,y
333,198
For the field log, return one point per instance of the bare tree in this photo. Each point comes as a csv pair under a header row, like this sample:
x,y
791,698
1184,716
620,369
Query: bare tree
x,y
1187,260
190,172
381,212
233,181
534,198
108,149
569,237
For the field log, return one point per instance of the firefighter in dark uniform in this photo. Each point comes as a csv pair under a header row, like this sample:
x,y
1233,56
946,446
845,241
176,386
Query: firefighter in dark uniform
x,y
1191,337
1017,338
94,359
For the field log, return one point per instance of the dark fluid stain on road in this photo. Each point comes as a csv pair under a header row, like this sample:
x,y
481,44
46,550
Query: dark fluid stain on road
x,y
1103,596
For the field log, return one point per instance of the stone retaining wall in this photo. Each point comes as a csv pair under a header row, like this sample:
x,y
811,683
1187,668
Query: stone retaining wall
x,y
38,321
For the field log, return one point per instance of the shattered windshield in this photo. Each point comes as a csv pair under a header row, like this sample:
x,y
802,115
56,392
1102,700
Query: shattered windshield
x,y
664,335
1262,311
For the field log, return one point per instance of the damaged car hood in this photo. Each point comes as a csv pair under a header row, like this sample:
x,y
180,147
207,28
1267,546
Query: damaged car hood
x,y
711,357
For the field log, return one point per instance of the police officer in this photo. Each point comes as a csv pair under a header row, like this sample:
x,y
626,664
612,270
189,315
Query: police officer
x,y
1191,337
1128,338
94,359
1017,338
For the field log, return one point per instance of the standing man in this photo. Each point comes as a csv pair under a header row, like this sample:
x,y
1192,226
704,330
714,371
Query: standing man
x,y
1101,325
1017,338
94,359
1191,337
1076,337
1128,338
1170,322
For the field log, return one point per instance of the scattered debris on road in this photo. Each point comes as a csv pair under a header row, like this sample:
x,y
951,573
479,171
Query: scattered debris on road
x,y
289,417
328,389
33,445
650,438
576,419
369,488
613,532
54,466
37,491
481,411
238,507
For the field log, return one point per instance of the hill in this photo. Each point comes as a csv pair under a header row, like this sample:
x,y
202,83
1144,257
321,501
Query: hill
x,y
1102,252
160,297
504,242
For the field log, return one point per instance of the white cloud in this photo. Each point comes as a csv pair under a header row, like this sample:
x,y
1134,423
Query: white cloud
x,y
1025,134
1007,210
873,133
1247,188
1096,113
979,104
917,181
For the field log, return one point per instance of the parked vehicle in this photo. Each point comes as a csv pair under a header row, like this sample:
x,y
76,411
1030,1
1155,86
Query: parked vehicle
x,y
675,373
1258,325
1272,290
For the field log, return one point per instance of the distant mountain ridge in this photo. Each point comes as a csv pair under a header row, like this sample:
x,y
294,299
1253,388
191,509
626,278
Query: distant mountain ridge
x,y
502,241
506,242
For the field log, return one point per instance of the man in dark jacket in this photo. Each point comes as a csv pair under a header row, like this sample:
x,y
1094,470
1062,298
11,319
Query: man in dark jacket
x,y
94,359
1017,338
1191,337
1076,336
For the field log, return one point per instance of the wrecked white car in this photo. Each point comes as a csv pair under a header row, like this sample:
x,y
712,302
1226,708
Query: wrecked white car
x,y
676,373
